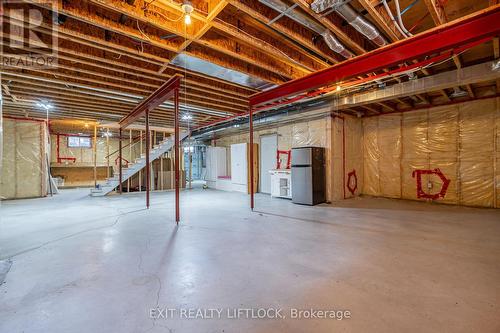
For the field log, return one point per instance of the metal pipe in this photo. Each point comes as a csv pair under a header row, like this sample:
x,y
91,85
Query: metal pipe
x,y
361,24
148,168
176,151
306,21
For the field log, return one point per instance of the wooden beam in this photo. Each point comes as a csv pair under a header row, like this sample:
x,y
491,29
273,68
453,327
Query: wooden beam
x,y
437,12
92,19
285,31
370,108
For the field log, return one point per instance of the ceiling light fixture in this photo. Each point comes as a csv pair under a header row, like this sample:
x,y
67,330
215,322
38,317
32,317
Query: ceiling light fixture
x,y
187,116
187,8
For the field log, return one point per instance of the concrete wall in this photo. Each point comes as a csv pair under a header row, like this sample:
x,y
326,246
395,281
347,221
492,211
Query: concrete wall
x,y
24,166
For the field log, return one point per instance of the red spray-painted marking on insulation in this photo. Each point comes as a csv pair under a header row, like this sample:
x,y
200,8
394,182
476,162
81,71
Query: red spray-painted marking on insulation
x,y
284,152
352,182
421,194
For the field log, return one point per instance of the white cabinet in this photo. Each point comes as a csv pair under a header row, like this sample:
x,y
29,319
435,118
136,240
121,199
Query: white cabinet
x,y
281,183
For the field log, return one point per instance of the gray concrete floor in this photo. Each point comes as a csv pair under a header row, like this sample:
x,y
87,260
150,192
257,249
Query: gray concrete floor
x,y
81,264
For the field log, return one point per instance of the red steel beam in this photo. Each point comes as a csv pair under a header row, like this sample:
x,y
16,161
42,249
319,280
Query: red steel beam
x,y
120,165
177,155
252,202
148,166
466,30
163,93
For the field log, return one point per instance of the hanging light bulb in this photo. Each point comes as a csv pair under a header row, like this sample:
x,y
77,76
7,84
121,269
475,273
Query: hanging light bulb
x,y
187,8
339,88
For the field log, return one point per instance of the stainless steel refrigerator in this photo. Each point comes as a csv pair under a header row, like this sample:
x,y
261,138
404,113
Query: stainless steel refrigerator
x,y
308,175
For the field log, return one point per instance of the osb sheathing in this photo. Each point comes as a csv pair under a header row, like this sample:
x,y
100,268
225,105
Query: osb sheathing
x,y
460,140
24,170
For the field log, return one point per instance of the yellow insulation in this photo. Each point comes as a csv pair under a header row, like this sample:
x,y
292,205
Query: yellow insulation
x,y
459,140
24,166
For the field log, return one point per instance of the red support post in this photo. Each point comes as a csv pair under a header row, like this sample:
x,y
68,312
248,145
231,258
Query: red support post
x,y
177,155
252,202
148,167
120,178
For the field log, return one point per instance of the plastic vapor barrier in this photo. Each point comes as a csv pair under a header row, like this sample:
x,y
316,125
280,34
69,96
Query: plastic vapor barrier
x,y
447,154
24,163
308,133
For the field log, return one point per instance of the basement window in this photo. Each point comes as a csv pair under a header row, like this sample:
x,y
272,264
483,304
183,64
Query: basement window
x,y
79,142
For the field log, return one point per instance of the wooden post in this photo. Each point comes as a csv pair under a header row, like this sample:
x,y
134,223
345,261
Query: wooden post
x,y
95,156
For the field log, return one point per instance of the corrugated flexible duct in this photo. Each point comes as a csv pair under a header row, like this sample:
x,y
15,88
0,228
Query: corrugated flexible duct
x,y
352,17
304,20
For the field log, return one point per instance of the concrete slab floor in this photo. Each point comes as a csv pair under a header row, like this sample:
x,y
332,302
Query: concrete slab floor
x,y
82,264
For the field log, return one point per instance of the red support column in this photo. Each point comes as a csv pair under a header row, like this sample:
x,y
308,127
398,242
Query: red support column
x,y
252,203
148,167
120,160
177,157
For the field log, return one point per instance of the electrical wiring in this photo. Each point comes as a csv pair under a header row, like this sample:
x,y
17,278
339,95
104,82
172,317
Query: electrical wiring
x,y
142,32
389,12
400,20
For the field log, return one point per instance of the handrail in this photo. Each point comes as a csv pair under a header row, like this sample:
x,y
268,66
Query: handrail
x,y
134,140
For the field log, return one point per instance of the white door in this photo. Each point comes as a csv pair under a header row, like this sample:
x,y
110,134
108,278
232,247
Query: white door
x,y
239,163
268,151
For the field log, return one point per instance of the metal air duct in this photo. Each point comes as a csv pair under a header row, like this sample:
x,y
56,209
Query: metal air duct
x,y
306,21
352,17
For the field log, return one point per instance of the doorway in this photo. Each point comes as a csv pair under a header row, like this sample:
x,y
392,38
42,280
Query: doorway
x,y
268,151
